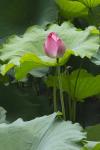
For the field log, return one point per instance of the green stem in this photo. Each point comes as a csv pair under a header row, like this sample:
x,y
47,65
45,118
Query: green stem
x,y
55,98
77,77
61,92
74,95
69,96
55,93
69,106
74,111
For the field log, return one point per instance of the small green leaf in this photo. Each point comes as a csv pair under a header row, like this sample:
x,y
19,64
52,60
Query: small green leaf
x,y
93,132
86,85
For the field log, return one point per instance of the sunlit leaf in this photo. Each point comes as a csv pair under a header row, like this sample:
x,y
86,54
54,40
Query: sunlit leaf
x,y
70,8
90,3
76,8
27,50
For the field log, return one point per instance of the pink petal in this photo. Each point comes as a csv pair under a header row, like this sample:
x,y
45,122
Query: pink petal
x,y
54,46
54,36
51,47
61,48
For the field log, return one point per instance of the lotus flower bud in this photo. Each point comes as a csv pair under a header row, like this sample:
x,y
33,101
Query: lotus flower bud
x,y
54,47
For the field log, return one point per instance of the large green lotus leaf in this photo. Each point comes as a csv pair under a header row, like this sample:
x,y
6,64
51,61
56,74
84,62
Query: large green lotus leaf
x,y
76,8
27,50
87,84
96,58
45,133
70,8
2,115
90,3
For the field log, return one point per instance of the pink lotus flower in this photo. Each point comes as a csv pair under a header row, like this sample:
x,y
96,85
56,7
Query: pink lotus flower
x,y
54,47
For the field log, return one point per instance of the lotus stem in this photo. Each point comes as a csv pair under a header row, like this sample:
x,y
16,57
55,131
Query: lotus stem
x,y
61,91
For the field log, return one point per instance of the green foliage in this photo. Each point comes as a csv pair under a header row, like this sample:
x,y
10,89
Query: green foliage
x,y
97,147
27,52
2,115
96,58
93,135
47,132
70,8
40,72
47,12
92,146
3,79
23,100
93,132
24,55
93,16
90,3
79,84
76,8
